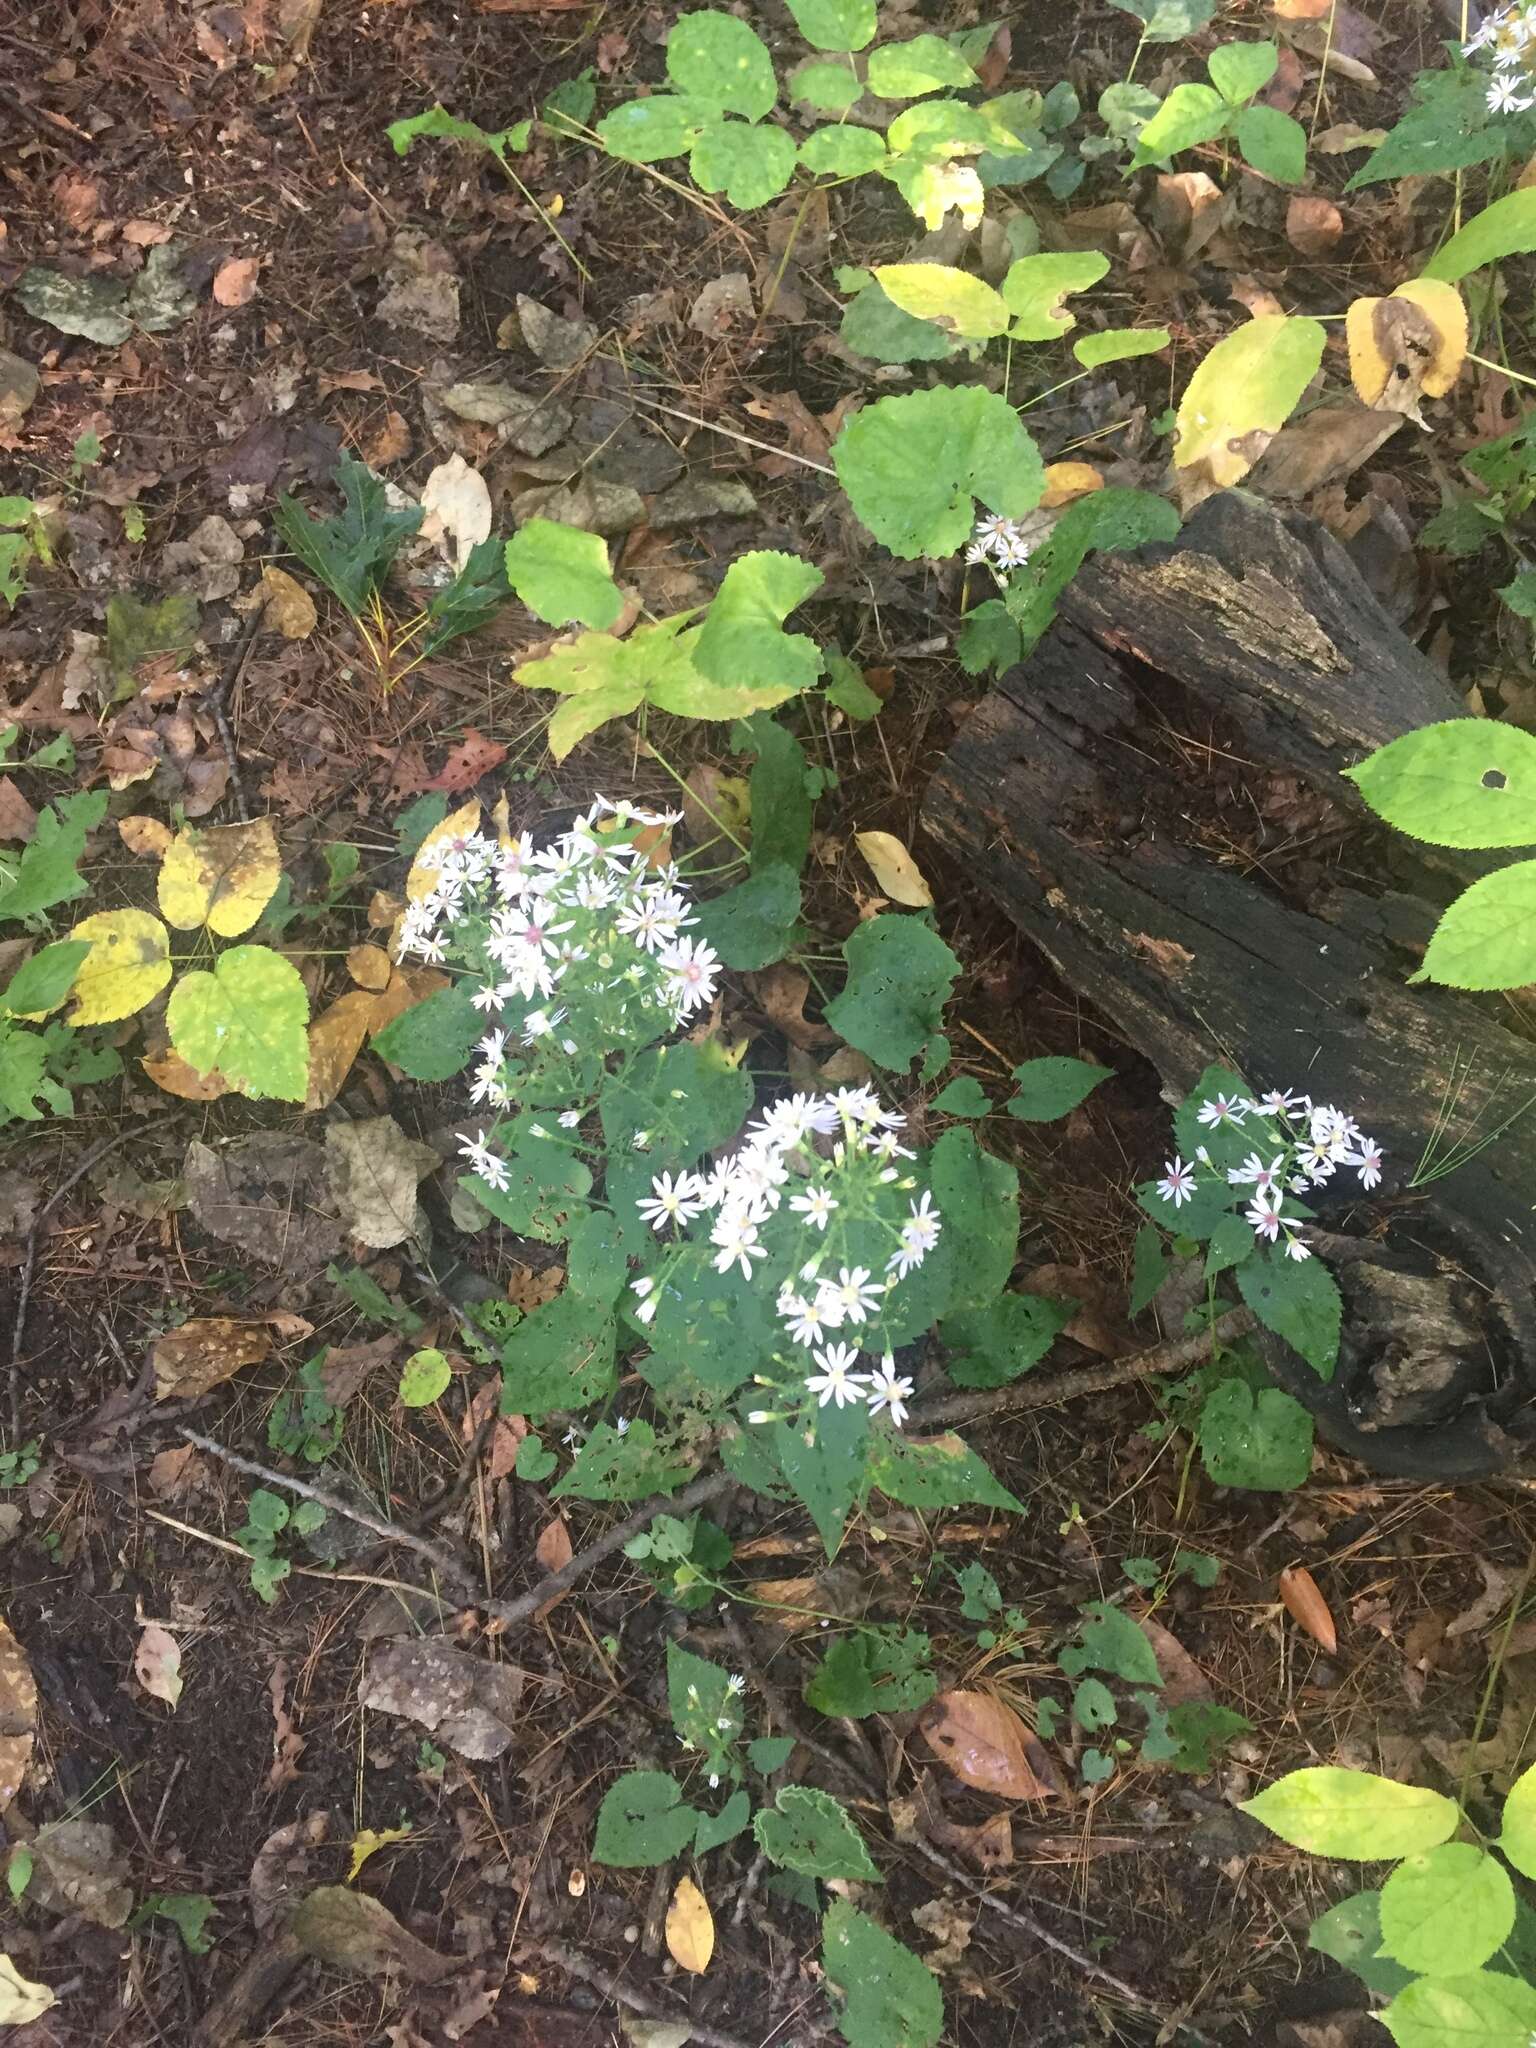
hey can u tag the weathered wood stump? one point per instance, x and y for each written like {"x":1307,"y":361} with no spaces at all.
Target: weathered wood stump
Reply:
{"x":1154,"y":797}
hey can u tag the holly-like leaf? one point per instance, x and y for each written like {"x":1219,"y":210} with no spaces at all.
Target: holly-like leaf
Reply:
{"x":743,"y":639}
{"x":471,"y":600}
{"x":128,"y":964}
{"x":248,"y":1019}
{"x":562,"y":574}
{"x":623,"y":1465}
{"x":914,"y":466}
{"x":349,"y":554}
{"x":892,"y":2000}
{"x":219,"y":876}
{"x":437,"y":121}
{"x":642,"y":1821}
{"x":810,"y":1831}
{"x":900,"y":975}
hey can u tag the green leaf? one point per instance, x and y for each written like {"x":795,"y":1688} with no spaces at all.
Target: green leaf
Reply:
{"x":1479,"y":2010}
{"x":1191,"y":114}
{"x":718,"y":60}
{"x":782,"y":792}
{"x":1507,"y":228}
{"x":743,"y":639}
{"x":43,"y":982}
{"x":1239,"y":70}
{"x":1168,"y":21}
{"x":1115,"y":518}
{"x":1487,"y":938}
{"x":562,"y":575}
{"x":988,"y":638}
{"x":248,"y":1019}
{"x":534,"y":1460}
{"x":749,"y":165}
{"x":642,"y":1821}
{"x":699,"y":1697}
{"x":188,"y":1912}
{"x":1466,"y":782}
{"x":913,"y":466}
{"x":1050,"y":1087}
{"x":1446,"y":1910}
{"x":1519,"y":595}
{"x":474,"y":597}
{"x":1518,"y":1836}
{"x":770,"y":1753}
{"x":714,"y":1829}
{"x":872,"y":1672}
{"x":978,"y":1198}
{"x":1273,"y":143}
{"x":438,"y":121}
{"x":426,"y":1379}
{"x":1350,"y":1933}
{"x":690,"y":1099}
{"x":24,"y":1076}
{"x":1261,"y":1441}
{"x":964,"y":1096}
{"x":872,"y":326}
{"x":906,"y":71}
{"x":136,"y":631}
{"x":433,"y":1039}
{"x":1108,"y":1640}
{"x":892,"y":1999}
{"x":1036,"y":285}
{"x":992,"y":1345}
{"x":953,"y":300}
{"x":752,"y":925}
{"x":830,"y":88}
{"x":350,"y":554}
{"x":1447,"y":128}
{"x":810,"y":1831}
{"x":823,"y":1465}
{"x":559,"y":1357}
{"x":842,"y":152}
{"x":1116,"y":344}
{"x":1149,"y":1267}
{"x":1125,"y":108}
{"x":1299,"y":1301}
{"x":1093,"y":1706}
{"x":1231,"y":1242}
{"x":547,"y":1186}
{"x":835,"y":24}
{"x":900,"y":975}
{"x":1201,"y":1727}
{"x":623,"y":1465}
{"x":645,"y":131}
{"x":1354,"y":1815}
{"x":939,"y":1472}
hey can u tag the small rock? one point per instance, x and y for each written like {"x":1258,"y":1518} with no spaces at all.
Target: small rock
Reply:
{"x":422,"y":291}
{"x":698,"y":498}
{"x":594,"y":506}
{"x":558,"y":343}
{"x":19,"y":386}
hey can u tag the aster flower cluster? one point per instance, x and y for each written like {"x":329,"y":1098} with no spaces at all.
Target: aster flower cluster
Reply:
{"x":1298,"y":1145}
{"x":1001,"y":543}
{"x":1508,"y":37}
{"x":816,"y":1205}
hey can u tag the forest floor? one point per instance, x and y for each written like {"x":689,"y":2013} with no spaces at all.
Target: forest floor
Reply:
{"x":255,"y":132}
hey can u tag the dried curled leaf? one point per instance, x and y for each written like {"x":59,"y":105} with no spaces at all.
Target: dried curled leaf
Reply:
{"x":987,"y":1745}
{"x":157,"y":1664}
{"x":351,"y":1931}
{"x":204,"y":1353}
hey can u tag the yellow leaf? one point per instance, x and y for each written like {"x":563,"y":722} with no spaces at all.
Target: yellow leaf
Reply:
{"x":287,"y":607}
{"x":144,"y":835}
{"x":20,"y":1999}
{"x":1407,"y":347}
{"x":459,"y":824}
{"x":690,"y":1928}
{"x":128,"y":965}
{"x":335,"y":1040}
{"x":222,"y":876}
{"x":370,"y":967}
{"x":1239,"y":398}
{"x":894,"y":869}
{"x":368,"y":1841}
{"x":1065,"y":481}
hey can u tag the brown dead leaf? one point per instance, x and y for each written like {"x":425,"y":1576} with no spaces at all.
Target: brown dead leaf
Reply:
{"x":392,"y":443}
{"x":157,"y":1664}
{"x":172,"y":1472}
{"x":204,"y":1353}
{"x":1330,"y":443}
{"x":467,"y":1702}
{"x":507,"y":1432}
{"x":348,"y":1367}
{"x":287,"y":607}
{"x":288,"y":1745}
{"x":553,"y":1548}
{"x":789,"y":1604}
{"x":1346,"y":136}
{"x":987,"y":1745}
{"x":145,"y":234}
{"x":234,"y":282}
{"x":76,"y":200}
{"x":1302,"y":10}
{"x":1497,"y":1583}
{"x":1183,"y":1680}
{"x":473,"y":757}
{"x":1306,"y":1606}
{"x":18,"y":820}
{"x":987,"y":1847}
{"x":1188,"y":209}
{"x":335,"y":1040}
{"x":348,"y":380}
{"x":781,"y":991}
{"x":351,"y":1931}
{"x":145,"y":836}
{"x":370,"y":967}
{"x":1099,"y":1322}
{"x":406,"y":987}
{"x":529,"y":1288}
{"x":1313,"y":225}
{"x":168,"y":1070}
{"x":18,"y":1715}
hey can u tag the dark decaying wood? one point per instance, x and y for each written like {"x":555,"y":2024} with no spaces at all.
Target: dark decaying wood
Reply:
{"x":1155,"y":798}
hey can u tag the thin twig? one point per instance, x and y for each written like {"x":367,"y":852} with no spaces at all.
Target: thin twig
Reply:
{"x":1177,"y":1355}
{"x":574,"y":1964}
{"x":217,"y":702}
{"x":732,"y":434}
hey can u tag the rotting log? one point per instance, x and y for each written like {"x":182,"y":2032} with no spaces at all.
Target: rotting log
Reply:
{"x":1155,"y":799}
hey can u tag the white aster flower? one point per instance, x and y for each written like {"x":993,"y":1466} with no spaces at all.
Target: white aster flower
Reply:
{"x":889,"y":1391}
{"x":738,"y":1243}
{"x":1221,"y":1109}
{"x":1263,"y":1216}
{"x":837,"y":1381}
{"x":857,"y":1295}
{"x":816,"y":1206}
{"x":1177,"y":1183}
{"x":671,"y":1200}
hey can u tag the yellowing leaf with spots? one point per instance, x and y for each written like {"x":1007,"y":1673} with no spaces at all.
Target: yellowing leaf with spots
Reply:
{"x":128,"y":965}
{"x":368,"y":1842}
{"x":690,"y":1928}
{"x":1239,"y":398}
{"x":1407,"y":347}
{"x":459,"y":824}
{"x":221,"y":876}
{"x":894,"y":869}
{"x":247,"y":1018}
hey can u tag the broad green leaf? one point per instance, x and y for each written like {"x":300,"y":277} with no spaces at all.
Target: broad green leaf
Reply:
{"x":1191,"y":114}
{"x":688,"y":1099}
{"x":1517,"y":1837}
{"x":1354,"y":1815}
{"x":645,"y":131}
{"x":783,"y":789}
{"x":1520,"y":594}
{"x":1261,"y":1441}
{"x":743,"y":639}
{"x":128,"y":964}
{"x":842,"y":152}
{"x":1446,"y":1910}
{"x":433,"y":1039}
{"x":936,"y":1472}
{"x":1239,"y":70}
{"x":873,"y":326}
{"x":823,"y":1464}
{"x":219,"y":876}
{"x":349,"y":554}
{"x":978,"y":1198}
{"x":988,"y":639}
{"x":41,"y":983}
{"x":1125,"y":108}
{"x":872,"y":1672}
{"x":624,"y":1464}
{"x":1036,"y":285}
{"x":24,"y":1077}
{"x":425,"y":1379}
{"x":953,"y":300}
{"x":559,"y":1357}
{"x":1467,"y":782}
{"x":906,"y":71}
{"x":1446,"y":128}
{"x":830,"y":88}
{"x":913,"y":467}
{"x":580,"y":716}
{"x":718,"y":60}
{"x":749,"y":164}
{"x":810,"y":1831}
{"x":534,"y":1461}
{"x":642,"y":1821}
{"x":892,"y":1999}
{"x":1507,"y":228}
{"x":751,"y":926}
{"x":900,"y":975}
{"x":1115,"y":518}
{"x":992,"y":1345}
{"x":1108,"y":1640}
{"x":1149,"y":1267}
{"x":1243,"y":392}
{"x":1273,"y":143}
{"x":1116,"y":344}
{"x":964,"y":1096}
{"x":136,"y":631}
{"x":835,"y":24}
{"x":438,"y":121}
{"x":188,"y":1912}
{"x":715,"y":1829}
{"x":1201,"y":1727}
{"x":1049,"y":1087}
{"x":561,"y":574}
{"x":1481,"y":2009}
{"x":1487,"y":938}
{"x":1093,"y":1706}
{"x":1168,"y":21}
{"x":1350,"y":1932}
{"x":546,"y":1190}
{"x":248,"y":1019}
{"x":1299,"y":1300}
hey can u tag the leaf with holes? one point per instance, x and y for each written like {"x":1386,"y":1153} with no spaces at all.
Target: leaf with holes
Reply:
{"x":1466,"y":782}
{"x":811,"y":1832}
{"x":642,"y":1821}
{"x":892,"y":2000}
{"x":247,"y":1018}
{"x":900,"y":975}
